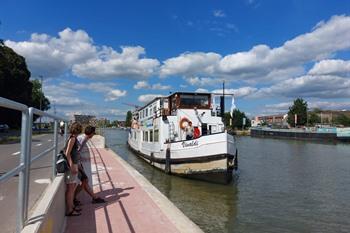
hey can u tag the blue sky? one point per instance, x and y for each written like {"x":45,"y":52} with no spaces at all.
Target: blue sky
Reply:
{"x":97,"y":55}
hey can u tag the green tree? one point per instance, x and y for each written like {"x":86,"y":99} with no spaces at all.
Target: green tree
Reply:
{"x":14,"y":84}
{"x":298,"y":108}
{"x":128,"y":119}
{"x":342,"y":120}
{"x":237,"y":119}
{"x":313,"y":118}
{"x":37,"y":94}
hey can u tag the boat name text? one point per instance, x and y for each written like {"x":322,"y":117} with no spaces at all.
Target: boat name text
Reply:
{"x":189,"y":144}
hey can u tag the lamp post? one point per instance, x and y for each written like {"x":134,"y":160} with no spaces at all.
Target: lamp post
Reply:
{"x":41,"y":95}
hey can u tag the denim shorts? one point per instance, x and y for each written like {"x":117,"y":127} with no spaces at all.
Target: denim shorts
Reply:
{"x":71,"y":178}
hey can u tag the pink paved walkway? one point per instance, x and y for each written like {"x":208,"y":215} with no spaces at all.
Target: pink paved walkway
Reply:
{"x":128,"y":209}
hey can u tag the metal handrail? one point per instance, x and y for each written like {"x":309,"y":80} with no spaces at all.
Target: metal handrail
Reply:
{"x":6,"y":103}
{"x":42,"y":154}
{"x":23,"y":169}
{"x":13,"y":172}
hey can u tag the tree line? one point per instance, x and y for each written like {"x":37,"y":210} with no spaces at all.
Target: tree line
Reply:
{"x":299,"y":112}
{"x":15,"y":84}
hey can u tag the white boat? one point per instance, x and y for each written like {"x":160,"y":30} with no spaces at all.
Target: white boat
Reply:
{"x":158,"y":136}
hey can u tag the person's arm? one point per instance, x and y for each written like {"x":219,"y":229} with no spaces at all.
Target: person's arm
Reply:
{"x":69,"y":151}
{"x":83,"y":143}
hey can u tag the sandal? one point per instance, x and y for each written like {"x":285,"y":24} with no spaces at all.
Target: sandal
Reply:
{"x":98,"y":200}
{"x":77,"y":209}
{"x":73,"y":214}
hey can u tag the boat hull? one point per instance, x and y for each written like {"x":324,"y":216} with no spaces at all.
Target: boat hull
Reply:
{"x":209,"y":167}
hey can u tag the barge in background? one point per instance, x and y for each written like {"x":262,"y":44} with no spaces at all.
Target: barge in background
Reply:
{"x":158,"y":136}
{"x":330,"y":134}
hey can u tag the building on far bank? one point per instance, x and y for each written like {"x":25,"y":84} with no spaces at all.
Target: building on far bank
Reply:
{"x":328,"y":116}
{"x":85,"y":119}
{"x":279,"y":120}
{"x":121,"y":124}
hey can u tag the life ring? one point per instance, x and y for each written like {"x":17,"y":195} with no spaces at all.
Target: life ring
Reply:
{"x":182,"y":122}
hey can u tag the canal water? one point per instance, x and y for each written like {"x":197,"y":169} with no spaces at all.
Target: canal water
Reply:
{"x":281,"y":186}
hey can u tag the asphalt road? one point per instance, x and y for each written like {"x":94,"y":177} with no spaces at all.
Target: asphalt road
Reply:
{"x":40,"y":174}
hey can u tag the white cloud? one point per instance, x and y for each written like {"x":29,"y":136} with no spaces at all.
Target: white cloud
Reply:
{"x":100,"y":87}
{"x":74,"y":51}
{"x":202,"y":90}
{"x":327,"y":105}
{"x":147,"y":98}
{"x":114,"y":95}
{"x":277,"y":108}
{"x":66,"y":101}
{"x":197,"y":81}
{"x":146,"y":85}
{"x":141,"y":85}
{"x":219,"y":14}
{"x":326,"y":86}
{"x":52,"y":56}
{"x":331,"y":67}
{"x":116,"y":112}
{"x":71,"y":90}
{"x":110,"y":64}
{"x":159,"y":86}
{"x":238,"y":93}
{"x":262,"y":61}
{"x":190,"y":63}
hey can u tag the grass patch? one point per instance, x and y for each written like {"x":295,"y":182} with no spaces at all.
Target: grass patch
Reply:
{"x":10,"y":139}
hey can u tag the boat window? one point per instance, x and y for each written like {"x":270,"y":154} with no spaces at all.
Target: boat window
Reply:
{"x":154,"y":108}
{"x":156,"y":135}
{"x":190,"y":101}
{"x":146,"y":136}
{"x":151,"y":135}
{"x":146,"y":112}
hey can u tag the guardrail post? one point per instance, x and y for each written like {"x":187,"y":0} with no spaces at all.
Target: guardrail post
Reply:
{"x":65,"y":131}
{"x":28,"y":158}
{"x":22,"y":192}
{"x":54,"y":153}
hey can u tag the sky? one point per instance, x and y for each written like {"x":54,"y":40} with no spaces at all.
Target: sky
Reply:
{"x":96,"y":57}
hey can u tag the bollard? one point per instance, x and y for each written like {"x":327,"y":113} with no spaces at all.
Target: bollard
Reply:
{"x":54,"y":153}
{"x":167,"y":161}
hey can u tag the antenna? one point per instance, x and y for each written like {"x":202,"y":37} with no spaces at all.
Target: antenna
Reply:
{"x":1,"y":40}
{"x":132,"y":105}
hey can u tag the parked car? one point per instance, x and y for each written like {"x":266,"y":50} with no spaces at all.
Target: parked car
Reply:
{"x":4,"y":128}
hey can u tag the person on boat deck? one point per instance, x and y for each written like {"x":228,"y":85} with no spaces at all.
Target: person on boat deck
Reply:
{"x":189,"y":131}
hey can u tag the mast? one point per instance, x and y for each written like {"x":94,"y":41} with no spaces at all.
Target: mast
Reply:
{"x":222,"y":103}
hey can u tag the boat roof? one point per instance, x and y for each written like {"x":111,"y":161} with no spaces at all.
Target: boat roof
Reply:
{"x":179,"y":93}
{"x":171,"y":94}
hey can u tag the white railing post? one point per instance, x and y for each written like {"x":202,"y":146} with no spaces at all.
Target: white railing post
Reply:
{"x":54,"y":153}
{"x":21,"y":206}
{"x":65,"y":131}
{"x":28,"y":163}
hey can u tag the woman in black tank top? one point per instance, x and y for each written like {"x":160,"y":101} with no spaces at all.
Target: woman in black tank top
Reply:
{"x":72,"y":173}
